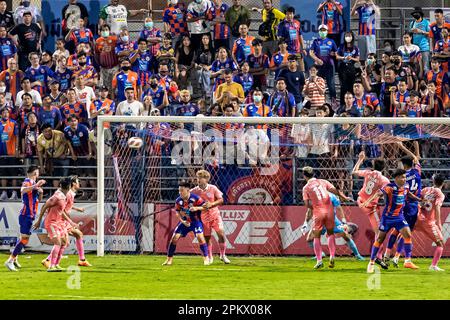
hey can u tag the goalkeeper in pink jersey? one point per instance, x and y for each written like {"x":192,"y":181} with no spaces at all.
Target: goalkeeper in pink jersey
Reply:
{"x":71,"y":230}
{"x":211,"y":218}
{"x":429,"y":220}
{"x":318,"y":202}
{"x":55,"y":223}
{"x":373,"y":181}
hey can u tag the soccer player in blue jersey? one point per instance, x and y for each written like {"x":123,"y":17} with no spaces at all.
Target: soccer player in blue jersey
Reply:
{"x":413,"y":171}
{"x":396,"y":193}
{"x":188,"y":207}
{"x":341,"y":228}
{"x":31,"y":193}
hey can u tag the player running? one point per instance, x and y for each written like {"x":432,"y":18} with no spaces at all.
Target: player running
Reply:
{"x":72,"y":231}
{"x":341,"y":228}
{"x":31,"y":193}
{"x":211,"y":218}
{"x":392,"y":217}
{"x":188,"y":207}
{"x":413,"y":180}
{"x":374,"y":180}
{"x":318,"y":202}
{"x":55,"y":224}
{"x":429,"y":220}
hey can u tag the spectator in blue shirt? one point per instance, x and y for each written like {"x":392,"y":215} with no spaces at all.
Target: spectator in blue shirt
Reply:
{"x":322,"y":51}
{"x":420,"y":29}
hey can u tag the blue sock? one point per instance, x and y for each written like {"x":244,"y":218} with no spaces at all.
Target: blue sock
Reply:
{"x":18,"y":248}
{"x":352,"y":245}
{"x":391,"y":242}
{"x":400,"y":245}
{"x":408,"y":250}
{"x":204,"y":248}
{"x":171,"y":250}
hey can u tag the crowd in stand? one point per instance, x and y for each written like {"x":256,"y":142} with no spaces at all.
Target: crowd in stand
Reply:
{"x":203,"y":61}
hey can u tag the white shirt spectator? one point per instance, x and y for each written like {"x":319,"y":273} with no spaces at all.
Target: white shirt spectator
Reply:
{"x":301,"y":133}
{"x":34,"y":94}
{"x":321,"y":135}
{"x":199,"y":10}
{"x":408,"y":52}
{"x":86,"y":96}
{"x":135,"y":108}
{"x":116,"y":17}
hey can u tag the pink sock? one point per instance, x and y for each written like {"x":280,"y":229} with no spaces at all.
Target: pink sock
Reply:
{"x":80,"y":248}
{"x":210,"y":252}
{"x":380,"y":253}
{"x":332,"y":245}
{"x":54,"y":255}
{"x":61,"y":251}
{"x":222,"y":247}
{"x":437,"y":256}
{"x":318,"y":249}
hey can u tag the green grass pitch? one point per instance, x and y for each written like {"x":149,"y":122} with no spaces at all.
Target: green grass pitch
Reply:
{"x":256,"y":278}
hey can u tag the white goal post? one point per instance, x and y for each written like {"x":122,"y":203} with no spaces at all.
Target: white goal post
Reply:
{"x":439,"y":122}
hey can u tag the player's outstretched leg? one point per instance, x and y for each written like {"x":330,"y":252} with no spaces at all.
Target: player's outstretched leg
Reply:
{"x":391,"y":242}
{"x":352,"y":245}
{"x":171,"y":249}
{"x":203,"y":248}
{"x":373,"y":256}
{"x":82,"y":262}
{"x":222,"y":246}
{"x":437,"y":256}
{"x":12,"y":264}
{"x":406,"y":233}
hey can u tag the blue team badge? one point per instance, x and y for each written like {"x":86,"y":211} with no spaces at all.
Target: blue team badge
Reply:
{"x":192,"y":109}
{"x":329,"y":43}
{"x":81,"y":134}
{"x":42,"y":71}
{"x":7,"y":42}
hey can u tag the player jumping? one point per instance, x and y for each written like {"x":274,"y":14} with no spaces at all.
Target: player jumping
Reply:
{"x":373,"y":181}
{"x":211,"y":218}
{"x":429,"y":221}
{"x":413,"y":180}
{"x":318,"y":202}
{"x":72,"y":231}
{"x":341,"y":228}
{"x":392,"y":217}
{"x":55,"y":224}
{"x":188,"y":207}
{"x":31,"y":193}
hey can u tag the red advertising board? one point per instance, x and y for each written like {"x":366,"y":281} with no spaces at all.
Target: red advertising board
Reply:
{"x":275,"y":230}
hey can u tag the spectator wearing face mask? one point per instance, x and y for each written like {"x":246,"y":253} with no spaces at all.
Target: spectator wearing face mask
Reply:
{"x":152,"y":35}
{"x":322,"y":51}
{"x":420,"y":28}
{"x":158,"y":94}
{"x":371,"y":75}
{"x":124,"y":79}
{"x":404,"y":72}
{"x":142,"y":62}
{"x":331,"y":12}
{"x":106,"y":57}
{"x":347,"y":55}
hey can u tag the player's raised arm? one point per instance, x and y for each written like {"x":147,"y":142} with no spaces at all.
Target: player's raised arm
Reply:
{"x":378,"y":194}
{"x":416,"y":155}
{"x":361,"y":158}
{"x":31,"y":187}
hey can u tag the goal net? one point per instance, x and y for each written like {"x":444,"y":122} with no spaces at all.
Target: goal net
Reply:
{"x":257,"y":164}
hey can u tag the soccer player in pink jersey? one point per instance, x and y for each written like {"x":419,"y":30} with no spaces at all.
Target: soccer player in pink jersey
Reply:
{"x":373,"y":181}
{"x":429,"y":221}
{"x":71,"y":230}
{"x":31,"y":194}
{"x":54,"y":223}
{"x":318,"y":202}
{"x":211,"y":218}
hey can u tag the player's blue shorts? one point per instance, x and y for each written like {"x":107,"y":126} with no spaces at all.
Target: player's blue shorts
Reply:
{"x":338,"y":227}
{"x":196,"y":227}
{"x":410,"y":211}
{"x":25,"y":223}
{"x":387,"y":223}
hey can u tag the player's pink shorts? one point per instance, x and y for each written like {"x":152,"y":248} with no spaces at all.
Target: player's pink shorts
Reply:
{"x":430,"y":229}
{"x":372,"y":214}
{"x":55,"y":230}
{"x":323,"y":219}
{"x":214,"y":223}
{"x":67,"y":226}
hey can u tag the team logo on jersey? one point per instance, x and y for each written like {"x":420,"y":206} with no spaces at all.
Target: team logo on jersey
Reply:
{"x":329,"y":43}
